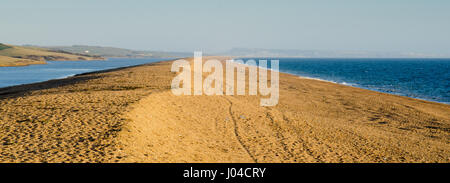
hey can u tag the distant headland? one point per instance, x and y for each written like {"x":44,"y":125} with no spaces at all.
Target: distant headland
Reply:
{"x":11,"y":55}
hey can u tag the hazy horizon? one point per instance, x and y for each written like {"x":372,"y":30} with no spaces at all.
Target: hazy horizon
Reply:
{"x":215,"y":26}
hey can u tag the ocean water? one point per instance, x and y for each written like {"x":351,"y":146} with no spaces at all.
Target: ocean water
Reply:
{"x":427,"y":79}
{"x":10,"y":76}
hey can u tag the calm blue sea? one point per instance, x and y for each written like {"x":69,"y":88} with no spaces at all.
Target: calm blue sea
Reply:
{"x":427,"y":79}
{"x":10,"y":76}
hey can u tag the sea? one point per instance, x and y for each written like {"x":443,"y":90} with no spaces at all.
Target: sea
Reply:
{"x":10,"y":76}
{"x":426,"y":79}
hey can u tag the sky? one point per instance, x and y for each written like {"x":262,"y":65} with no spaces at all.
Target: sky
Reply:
{"x":215,"y":26}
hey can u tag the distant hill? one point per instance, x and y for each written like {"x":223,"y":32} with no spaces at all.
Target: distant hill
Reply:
{"x":2,"y":46}
{"x":257,"y":52}
{"x":10,"y":61}
{"x":117,"y":52}
{"x":19,"y":56}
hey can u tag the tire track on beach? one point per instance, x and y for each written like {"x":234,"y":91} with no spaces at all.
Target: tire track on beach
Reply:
{"x":306,"y":148}
{"x":236,"y":134}
{"x":281,"y":138}
{"x":298,"y":140}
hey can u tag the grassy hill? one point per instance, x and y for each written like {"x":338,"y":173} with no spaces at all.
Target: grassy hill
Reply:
{"x":19,"y":56}
{"x":117,"y":52}
{"x":10,"y":61}
{"x":2,"y":46}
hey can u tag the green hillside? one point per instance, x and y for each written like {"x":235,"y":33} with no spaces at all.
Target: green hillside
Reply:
{"x":19,"y":56}
{"x":117,"y":52}
{"x":10,"y":61}
{"x":2,"y":46}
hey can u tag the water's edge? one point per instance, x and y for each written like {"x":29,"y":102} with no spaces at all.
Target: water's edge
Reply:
{"x":346,"y":83}
{"x":88,"y":71}
{"x":280,"y":70}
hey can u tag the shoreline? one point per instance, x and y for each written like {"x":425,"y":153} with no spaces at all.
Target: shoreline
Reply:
{"x":366,"y":88}
{"x":171,"y":59}
{"x":72,"y":75}
{"x":350,"y":85}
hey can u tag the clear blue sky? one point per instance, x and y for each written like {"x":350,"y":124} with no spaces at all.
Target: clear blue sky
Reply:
{"x":213,"y":25}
